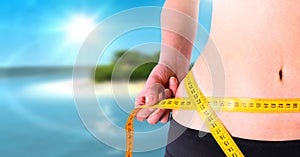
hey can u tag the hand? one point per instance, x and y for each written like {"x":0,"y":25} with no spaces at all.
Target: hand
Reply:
{"x":161,"y":84}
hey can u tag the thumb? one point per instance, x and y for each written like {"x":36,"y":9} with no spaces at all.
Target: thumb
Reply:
{"x":173,"y":85}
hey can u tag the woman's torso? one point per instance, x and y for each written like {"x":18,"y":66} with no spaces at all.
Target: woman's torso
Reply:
{"x":255,"y":41}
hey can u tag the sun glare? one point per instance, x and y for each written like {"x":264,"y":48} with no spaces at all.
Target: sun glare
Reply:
{"x":78,"y":28}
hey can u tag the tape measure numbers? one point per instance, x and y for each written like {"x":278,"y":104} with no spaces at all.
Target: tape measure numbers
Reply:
{"x":206,"y":107}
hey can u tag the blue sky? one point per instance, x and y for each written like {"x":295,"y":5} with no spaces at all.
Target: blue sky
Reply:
{"x":32,"y":34}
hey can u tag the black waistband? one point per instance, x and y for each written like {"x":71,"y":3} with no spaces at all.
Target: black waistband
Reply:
{"x":195,"y":143}
{"x":208,"y":136}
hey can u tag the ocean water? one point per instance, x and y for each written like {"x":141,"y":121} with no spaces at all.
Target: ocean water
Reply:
{"x":37,"y":122}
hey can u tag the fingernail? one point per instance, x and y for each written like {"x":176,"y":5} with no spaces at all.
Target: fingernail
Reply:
{"x":172,"y":80}
{"x":148,"y":99}
{"x":168,"y":93}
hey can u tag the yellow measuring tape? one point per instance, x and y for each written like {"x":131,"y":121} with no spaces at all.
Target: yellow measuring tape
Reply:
{"x":206,"y":108}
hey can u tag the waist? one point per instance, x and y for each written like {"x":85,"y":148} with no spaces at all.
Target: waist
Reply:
{"x":250,"y":76}
{"x":257,"y":126}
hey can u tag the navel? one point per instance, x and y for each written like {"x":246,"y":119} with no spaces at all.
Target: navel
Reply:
{"x":280,"y":74}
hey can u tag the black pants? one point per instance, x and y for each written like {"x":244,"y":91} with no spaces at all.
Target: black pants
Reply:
{"x":185,"y":142}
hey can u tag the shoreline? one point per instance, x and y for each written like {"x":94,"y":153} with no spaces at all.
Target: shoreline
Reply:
{"x":65,"y":88}
{"x":107,"y":88}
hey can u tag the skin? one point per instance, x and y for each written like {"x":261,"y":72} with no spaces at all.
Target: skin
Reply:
{"x":175,"y":49}
{"x":160,"y":75}
{"x":255,"y":40}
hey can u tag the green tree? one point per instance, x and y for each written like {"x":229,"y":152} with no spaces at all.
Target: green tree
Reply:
{"x":137,"y":63}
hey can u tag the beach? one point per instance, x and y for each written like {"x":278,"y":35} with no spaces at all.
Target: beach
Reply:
{"x":42,"y":118}
{"x":66,"y":87}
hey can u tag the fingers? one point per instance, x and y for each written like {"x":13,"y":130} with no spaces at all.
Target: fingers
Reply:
{"x":173,"y":84}
{"x":153,"y":115}
{"x":140,"y":100}
{"x":143,"y":114}
{"x":168,"y":93}
{"x":165,"y":117}
{"x":156,"y":116}
{"x":152,"y":96}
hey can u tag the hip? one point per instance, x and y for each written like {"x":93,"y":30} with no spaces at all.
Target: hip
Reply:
{"x":184,"y":141}
{"x":256,"y":126}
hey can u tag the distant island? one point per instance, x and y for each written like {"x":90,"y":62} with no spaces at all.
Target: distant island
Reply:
{"x":134,"y":63}
{"x":127,"y":62}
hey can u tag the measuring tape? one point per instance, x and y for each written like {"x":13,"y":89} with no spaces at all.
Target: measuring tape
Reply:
{"x":206,"y":107}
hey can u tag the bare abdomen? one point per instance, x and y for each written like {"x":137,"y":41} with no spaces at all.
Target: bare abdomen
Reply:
{"x":258,"y":44}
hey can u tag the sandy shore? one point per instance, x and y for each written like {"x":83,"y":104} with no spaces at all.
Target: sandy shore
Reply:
{"x":66,"y":88}
{"x":108,"y":88}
